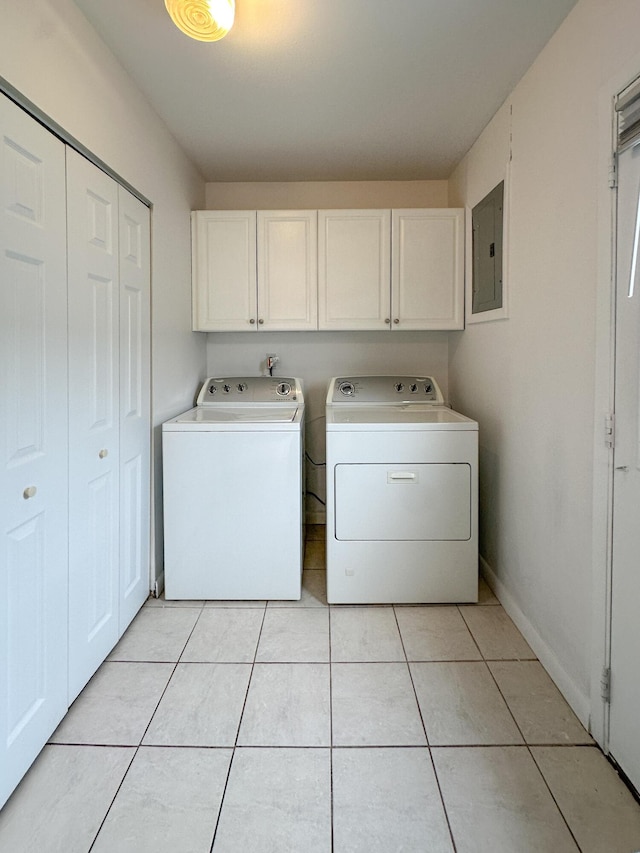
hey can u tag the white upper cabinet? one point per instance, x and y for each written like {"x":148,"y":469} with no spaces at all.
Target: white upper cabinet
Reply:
{"x":287,"y":269}
{"x":254,"y":270}
{"x":225,"y":298}
{"x":298,"y":270}
{"x":427,"y":269}
{"x":354,"y":250}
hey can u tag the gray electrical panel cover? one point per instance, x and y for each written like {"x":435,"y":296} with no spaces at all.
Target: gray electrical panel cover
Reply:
{"x":487,"y":251}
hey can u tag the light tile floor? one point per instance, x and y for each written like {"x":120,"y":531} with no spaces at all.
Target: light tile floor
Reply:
{"x":279,"y":727}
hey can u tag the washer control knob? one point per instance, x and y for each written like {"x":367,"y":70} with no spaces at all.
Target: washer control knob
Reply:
{"x":399,"y":387}
{"x":414,"y":388}
{"x":347,"y":388}
{"x":428,"y":388}
{"x":242,"y":387}
{"x":283,"y":389}
{"x":226,"y":388}
{"x":212,"y":389}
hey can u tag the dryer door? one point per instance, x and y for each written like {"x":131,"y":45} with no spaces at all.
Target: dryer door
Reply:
{"x":403,"y":502}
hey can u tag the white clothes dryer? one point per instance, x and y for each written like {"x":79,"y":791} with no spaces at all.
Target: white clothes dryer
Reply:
{"x":402,"y":493}
{"x":233,"y":492}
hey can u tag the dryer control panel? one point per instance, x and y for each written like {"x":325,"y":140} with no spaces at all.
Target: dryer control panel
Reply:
{"x":238,"y":390}
{"x":384,"y":390}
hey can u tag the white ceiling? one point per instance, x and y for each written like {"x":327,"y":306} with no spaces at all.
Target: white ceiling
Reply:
{"x":322,"y":90}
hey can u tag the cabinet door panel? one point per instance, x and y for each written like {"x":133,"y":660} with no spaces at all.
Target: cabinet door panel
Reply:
{"x":92,"y":199}
{"x":135,"y":414}
{"x":33,"y":441}
{"x":428,"y":269}
{"x":354,"y":269}
{"x":287,"y":270}
{"x":224,"y":270}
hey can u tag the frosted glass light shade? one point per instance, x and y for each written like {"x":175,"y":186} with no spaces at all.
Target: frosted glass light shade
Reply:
{"x":204,"y":20}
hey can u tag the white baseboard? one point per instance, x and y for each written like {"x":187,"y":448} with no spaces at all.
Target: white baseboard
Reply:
{"x":158,"y":587}
{"x":579,"y":701}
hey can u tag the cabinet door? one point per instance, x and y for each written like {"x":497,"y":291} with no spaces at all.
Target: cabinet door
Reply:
{"x":135,"y":413}
{"x":354,"y":269}
{"x":287,"y":269}
{"x":92,"y":211}
{"x":224,"y":284}
{"x":33,"y":441}
{"x":428,"y":269}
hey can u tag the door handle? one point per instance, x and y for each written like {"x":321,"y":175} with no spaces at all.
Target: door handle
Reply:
{"x":402,"y":477}
{"x":622,"y":467}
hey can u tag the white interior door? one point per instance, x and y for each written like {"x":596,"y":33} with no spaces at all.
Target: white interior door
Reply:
{"x":624,"y":734}
{"x":135,"y":414}
{"x":92,"y":203}
{"x":33,"y":441}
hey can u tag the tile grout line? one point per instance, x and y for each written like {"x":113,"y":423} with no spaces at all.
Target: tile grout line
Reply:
{"x":235,"y":744}
{"x":424,"y":728}
{"x":113,"y":799}
{"x":146,"y":729}
{"x":477,"y":645}
{"x":551,"y":794}
{"x":331,"y":746}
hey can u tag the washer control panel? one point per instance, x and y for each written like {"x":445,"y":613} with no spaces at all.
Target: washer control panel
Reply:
{"x":249,"y":389}
{"x":384,"y":390}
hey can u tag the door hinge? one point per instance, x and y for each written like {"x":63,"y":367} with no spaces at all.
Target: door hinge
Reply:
{"x":613,"y":171}
{"x":605,"y":684}
{"x":609,"y":429}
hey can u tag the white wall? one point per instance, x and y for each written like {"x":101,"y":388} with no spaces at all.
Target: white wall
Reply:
{"x":326,"y":195}
{"x":530,"y":379}
{"x":317,"y":356}
{"x":50,"y":54}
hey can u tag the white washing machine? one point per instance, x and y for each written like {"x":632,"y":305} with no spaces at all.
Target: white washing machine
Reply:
{"x":402,"y":494}
{"x":233,"y":492}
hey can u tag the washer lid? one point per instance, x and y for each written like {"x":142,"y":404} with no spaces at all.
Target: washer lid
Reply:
{"x":231,"y":415}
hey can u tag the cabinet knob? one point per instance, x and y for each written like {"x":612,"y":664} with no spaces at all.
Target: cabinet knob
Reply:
{"x":103,"y":453}
{"x":396,"y":321}
{"x":252,"y":321}
{"x":260,"y":321}
{"x":29,"y":492}
{"x":387,"y":320}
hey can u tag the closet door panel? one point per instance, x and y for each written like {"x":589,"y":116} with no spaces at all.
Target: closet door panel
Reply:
{"x":33,"y":441}
{"x":135,"y":383}
{"x":92,"y":200}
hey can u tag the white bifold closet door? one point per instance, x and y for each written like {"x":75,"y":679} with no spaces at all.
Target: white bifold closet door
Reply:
{"x":109,"y":436}
{"x":33,"y":441}
{"x":135,"y":404}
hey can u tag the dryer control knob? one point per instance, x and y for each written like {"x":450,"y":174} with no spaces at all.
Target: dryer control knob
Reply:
{"x":347,"y":388}
{"x":283,"y":389}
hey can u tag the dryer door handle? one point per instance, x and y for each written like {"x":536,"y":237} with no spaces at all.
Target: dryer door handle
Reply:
{"x":402,"y":477}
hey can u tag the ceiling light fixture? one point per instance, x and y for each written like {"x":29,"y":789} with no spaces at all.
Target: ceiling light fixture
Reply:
{"x":204,"y":20}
